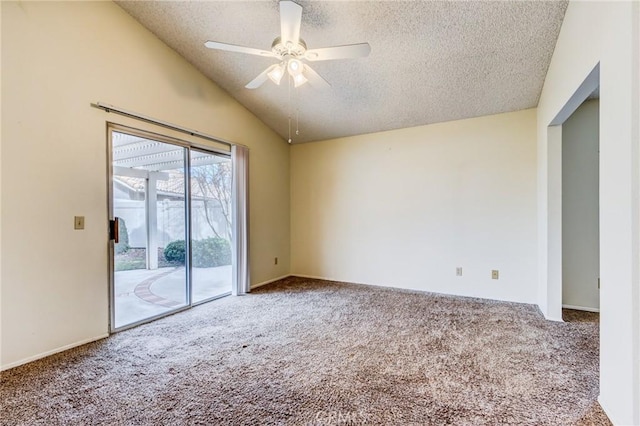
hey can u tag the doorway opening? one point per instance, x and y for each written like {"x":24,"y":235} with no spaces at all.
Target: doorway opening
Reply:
{"x":553,"y":263}
{"x":170,"y":206}
{"x":581,"y":209}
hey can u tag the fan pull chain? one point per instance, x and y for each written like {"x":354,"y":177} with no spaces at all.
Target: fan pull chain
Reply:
{"x":297,"y":112}
{"x":289,"y":89}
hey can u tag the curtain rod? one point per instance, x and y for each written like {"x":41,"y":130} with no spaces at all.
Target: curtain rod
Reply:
{"x":111,"y":108}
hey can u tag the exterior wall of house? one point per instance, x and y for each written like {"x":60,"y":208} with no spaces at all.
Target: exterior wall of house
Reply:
{"x":602,"y":36}
{"x":170,"y":220}
{"x":57,"y":59}
{"x":405,"y":208}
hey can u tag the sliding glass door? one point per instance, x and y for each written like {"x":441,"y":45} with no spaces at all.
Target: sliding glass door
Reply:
{"x":170,"y":207}
{"x":210,"y":225}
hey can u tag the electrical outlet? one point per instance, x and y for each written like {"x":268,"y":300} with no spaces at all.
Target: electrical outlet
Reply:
{"x":78,"y":222}
{"x":275,"y":261}
{"x":459,"y":271}
{"x":495,"y":274}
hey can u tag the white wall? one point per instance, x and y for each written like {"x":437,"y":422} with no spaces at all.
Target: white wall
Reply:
{"x":604,"y":33}
{"x":404,"y":208}
{"x":57,"y":58}
{"x":580,"y":209}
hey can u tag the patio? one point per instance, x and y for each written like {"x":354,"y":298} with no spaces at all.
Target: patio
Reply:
{"x":144,"y":293}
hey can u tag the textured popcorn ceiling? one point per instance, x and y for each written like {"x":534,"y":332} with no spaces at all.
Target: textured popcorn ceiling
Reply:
{"x":430,"y":61}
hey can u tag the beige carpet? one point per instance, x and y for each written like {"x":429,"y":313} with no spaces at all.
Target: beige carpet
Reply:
{"x":308,"y":352}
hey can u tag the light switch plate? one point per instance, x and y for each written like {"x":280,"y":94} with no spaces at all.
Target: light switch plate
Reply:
{"x":78,"y":222}
{"x":495,"y":274}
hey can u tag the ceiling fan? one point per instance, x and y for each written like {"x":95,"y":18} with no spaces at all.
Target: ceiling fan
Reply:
{"x":291,"y":50}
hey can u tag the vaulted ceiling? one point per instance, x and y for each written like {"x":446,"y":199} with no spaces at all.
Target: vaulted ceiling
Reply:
{"x":430,"y":61}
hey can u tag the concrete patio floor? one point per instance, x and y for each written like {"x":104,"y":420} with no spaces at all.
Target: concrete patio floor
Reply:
{"x":143,"y":293}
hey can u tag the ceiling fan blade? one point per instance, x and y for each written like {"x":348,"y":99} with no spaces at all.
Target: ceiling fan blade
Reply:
{"x":359,"y":50}
{"x":240,"y":49}
{"x":261,"y":78}
{"x":290,"y":19}
{"x":315,"y":79}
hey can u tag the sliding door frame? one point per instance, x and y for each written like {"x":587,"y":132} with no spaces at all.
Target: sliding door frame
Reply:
{"x":188,"y":146}
{"x":218,"y":296}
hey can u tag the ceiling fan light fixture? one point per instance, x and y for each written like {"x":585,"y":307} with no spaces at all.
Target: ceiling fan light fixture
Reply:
{"x":276,"y":74}
{"x":294,"y":66}
{"x":299,"y":80}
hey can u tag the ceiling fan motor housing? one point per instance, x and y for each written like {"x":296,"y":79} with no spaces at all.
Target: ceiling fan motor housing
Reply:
{"x":295,"y":50}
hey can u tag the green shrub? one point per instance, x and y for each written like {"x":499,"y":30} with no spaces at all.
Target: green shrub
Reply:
{"x":123,"y":245}
{"x":211,"y":252}
{"x":175,"y":251}
{"x":207,"y":253}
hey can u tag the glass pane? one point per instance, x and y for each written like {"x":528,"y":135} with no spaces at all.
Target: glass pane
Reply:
{"x":210,"y":225}
{"x":129,"y":205}
{"x":149,"y":199}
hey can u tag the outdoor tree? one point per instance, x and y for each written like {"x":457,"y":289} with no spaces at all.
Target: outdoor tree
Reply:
{"x":212,"y":184}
